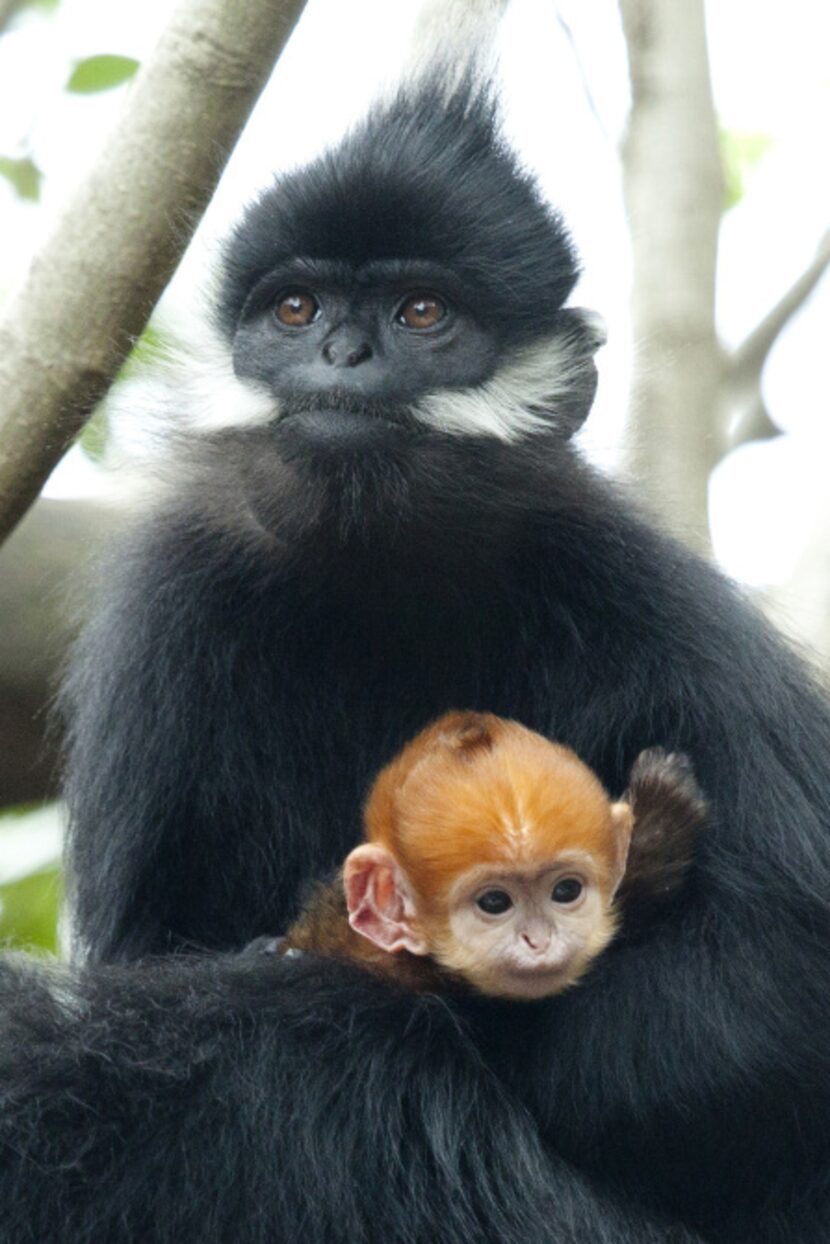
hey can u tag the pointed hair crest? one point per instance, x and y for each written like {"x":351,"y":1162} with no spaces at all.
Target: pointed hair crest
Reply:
{"x":425,"y":176}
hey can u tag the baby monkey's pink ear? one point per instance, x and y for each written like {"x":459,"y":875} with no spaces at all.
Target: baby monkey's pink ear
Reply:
{"x":379,"y":902}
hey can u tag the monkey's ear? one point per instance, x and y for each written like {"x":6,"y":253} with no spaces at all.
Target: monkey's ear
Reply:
{"x":582,"y":333}
{"x":380,"y":905}
{"x":623,"y":821}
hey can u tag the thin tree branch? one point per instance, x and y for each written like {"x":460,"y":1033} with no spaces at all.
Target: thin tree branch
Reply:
{"x":590,"y":98}
{"x":93,"y":285}
{"x":745,"y":363}
{"x":754,"y":423}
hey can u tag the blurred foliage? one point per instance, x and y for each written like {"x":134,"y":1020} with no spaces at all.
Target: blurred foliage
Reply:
{"x":30,"y":877}
{"x":100,"y":73}
{"x":741,"y":153}
{"x":93,"y":435}
{"x":29,"y":910}
{"x":149,"y":347}
{"x":23,"y":174}
{"x":9,"y":10}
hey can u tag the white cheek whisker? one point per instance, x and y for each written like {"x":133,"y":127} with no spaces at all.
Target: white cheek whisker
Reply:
{"x":214,"y":397}
{"x":199,"y":389}
{"x":519,"y":400}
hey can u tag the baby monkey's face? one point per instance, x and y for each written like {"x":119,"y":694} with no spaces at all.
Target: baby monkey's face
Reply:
{"x":525,"y":932}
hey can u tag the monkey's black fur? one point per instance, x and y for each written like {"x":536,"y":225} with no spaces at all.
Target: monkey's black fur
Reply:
{"x":669,"y":817}
{"x":427,"y":179}
{"x":210,"y":1101}
{"x":266,"y":641}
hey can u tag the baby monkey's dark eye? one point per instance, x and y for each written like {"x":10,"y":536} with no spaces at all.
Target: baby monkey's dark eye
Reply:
{"x":421,"y":311}
{"x":297,"y":308}
{"x":494,"y":902}
{"x":567,"y":890}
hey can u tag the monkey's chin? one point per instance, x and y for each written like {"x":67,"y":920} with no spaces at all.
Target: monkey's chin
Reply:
{"x":335,"y":430}
{"x":533,"y":983}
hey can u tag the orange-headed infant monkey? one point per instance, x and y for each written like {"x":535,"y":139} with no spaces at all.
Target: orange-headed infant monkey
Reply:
{"x":494,"y":858}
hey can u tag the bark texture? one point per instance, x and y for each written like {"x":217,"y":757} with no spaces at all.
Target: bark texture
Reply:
{"x":93,"y":285}
{"x":674,"y":195}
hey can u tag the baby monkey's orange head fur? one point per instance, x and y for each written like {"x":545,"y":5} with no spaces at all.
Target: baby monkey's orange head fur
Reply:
{"x":493,"y":850}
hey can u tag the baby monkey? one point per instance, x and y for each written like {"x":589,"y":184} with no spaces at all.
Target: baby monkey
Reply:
{"x":495,"y":859}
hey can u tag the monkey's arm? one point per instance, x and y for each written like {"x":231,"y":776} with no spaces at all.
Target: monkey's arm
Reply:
{"x":669,"y":816}
{"x":323,"y":928}
{"x":193,"y":1100}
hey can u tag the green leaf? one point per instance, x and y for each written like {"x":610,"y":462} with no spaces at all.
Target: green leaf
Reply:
{"x":94,"y":434}
{"x":30,"y":843}
{"x":741,"y":153}
{"x":29,"y":910}
{"x":149,"y":347}
{"x":100,"y":73}
{"x":23,"y":174}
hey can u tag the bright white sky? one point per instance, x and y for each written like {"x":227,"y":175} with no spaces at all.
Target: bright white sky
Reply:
{"x":771,"y":74}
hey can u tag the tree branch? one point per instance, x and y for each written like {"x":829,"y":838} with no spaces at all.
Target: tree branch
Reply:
{"x":754,"y":423}
{"x":745,"y":363}
{"x":673,"y":190}
{"x":93,"y":285}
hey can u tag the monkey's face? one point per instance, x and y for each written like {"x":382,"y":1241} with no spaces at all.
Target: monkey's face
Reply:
{"x":409,"y":282}
{"x":527,"y":933}
{"x":346,"y":354}
{"x":386,"y":356}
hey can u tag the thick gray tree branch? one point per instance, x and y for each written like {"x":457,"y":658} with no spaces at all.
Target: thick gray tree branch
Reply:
{"x":93,"y":285}
{"x":674,"y":194}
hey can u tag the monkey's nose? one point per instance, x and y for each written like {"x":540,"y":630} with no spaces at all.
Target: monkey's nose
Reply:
{"x":346,"y":353}
{"x":537,"y":939}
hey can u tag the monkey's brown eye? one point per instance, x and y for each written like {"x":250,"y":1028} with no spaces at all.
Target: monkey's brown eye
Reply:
{"x":494,"y":902}
{"x":421,"y":311}
{"x":567,"y":890}
{"x":297,"y":308}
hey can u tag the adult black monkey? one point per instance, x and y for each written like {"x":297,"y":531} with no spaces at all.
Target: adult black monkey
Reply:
{"x":393,"y":523}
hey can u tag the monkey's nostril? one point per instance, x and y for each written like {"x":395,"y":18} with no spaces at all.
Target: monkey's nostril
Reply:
{"x":342,"y":352}
{"x":358,"y":355}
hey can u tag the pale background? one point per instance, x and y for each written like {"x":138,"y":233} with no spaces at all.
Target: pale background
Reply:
{"x":565,"y":91}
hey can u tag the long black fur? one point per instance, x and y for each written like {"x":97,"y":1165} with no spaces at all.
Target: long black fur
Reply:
{"x":208,"y":1101}
{"x":265,"y":642}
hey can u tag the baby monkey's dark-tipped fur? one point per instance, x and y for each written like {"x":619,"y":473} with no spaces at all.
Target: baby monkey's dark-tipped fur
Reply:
{"x":669,"y":815}
{"x":386,"y":519}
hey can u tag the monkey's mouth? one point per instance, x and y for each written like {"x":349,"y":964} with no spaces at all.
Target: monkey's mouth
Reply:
{"x":336,"y":402}
{"x":534,"y":982}
{"x":338,"y":419}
